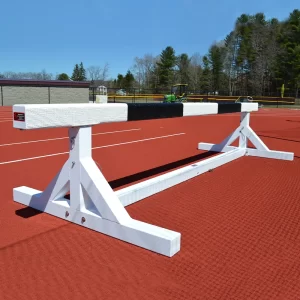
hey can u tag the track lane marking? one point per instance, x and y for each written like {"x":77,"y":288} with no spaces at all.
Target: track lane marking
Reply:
{"x":62,"y":138}
{"x":93,"y":148}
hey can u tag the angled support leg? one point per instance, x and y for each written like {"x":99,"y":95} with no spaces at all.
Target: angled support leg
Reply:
{"x":93,"y":204}
{"x":244,"y":132}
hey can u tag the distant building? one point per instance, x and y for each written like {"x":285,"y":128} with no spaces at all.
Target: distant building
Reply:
{"x":43,"y":91}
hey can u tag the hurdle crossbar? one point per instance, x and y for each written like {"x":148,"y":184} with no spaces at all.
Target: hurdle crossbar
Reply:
{"x":93,"y":204}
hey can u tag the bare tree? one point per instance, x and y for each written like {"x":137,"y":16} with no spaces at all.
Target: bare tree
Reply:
{"x":97,"y":72}
{"x":195,"y":71}
{"x":105,"y":71}
{"x":138,"y":71}
{"x":230,"y":60}
{"x":94,"y":72}
{"x":258,"y":65}
{"x":144,"y":70}
{"x":43,"y":75}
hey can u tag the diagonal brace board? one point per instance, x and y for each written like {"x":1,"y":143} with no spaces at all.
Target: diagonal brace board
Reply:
{"x":142,"y":190}
{"x":244,"y":133}
{"x":93,"y":204}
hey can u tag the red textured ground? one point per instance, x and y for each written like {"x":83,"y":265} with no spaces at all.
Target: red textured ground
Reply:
{"x":240,"y":224}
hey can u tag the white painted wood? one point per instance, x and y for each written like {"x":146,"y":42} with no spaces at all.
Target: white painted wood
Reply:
{"x":92,"y":198}
{"x":99,"y":190}
{"x":271,"y":154}
{"x":198,"y":109}
{"x":60,"y":185}
{"x":144,"y":189}
{"x":96,"y":206}
{"x":253,"y":137}
{"x":249,"y":107}
{"x":150,"y":237}
{"x":87,"y":114}
{"x":69,"y":115}
{"x":244,"y":123}
{"x":282,"y":155}
{"x":215,"y":147}
{"x":244,"y":132}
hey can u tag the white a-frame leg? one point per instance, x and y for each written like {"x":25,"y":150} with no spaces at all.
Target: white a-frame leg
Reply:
{"x":144,"y":189}
{"x":244,"y":132}
{"x":93,"y":204}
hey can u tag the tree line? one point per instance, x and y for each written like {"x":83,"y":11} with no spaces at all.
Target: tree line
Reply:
{"x":257,"y":57}
{"x":80,"y":73}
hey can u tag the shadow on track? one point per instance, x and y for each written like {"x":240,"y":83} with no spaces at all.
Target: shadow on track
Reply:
{"x":27,"y":212}
{"x":278,"y":138}
{"x":155,"y":171}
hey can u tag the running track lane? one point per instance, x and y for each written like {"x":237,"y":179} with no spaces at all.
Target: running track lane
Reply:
{"x":61,"y":146}
{"x":114,"y":162}
{"x":230,"y":249}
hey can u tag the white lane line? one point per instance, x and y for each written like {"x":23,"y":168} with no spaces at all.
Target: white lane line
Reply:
{"x":63,"y":138}
{"x":137,"y":141}
{"x":105,"y":146}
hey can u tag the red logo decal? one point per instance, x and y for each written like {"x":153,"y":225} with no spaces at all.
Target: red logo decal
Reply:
{"x":18,"y":116}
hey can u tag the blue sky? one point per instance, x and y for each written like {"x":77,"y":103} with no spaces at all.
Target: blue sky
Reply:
{"x":55,"y":35}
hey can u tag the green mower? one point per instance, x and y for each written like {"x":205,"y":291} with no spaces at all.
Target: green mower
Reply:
{"x":178,"y":94}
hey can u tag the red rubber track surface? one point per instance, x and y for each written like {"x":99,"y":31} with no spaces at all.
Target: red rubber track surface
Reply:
{"x":240,"y":224}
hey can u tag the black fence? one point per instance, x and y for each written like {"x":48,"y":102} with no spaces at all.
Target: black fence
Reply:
{"x":116,"y":95}
{"x":160,"y":91}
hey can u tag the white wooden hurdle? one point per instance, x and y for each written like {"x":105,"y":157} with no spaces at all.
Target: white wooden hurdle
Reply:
{"x":93,"y":204}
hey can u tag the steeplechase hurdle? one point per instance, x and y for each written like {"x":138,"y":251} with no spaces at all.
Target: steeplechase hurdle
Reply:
{"x":93,"y":204}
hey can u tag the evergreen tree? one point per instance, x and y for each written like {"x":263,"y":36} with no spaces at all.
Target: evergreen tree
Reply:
{"x":76,"y":74}
{"x":216,"y":61}
{"x":166,"y":67}
{"x":288,"y":60}
{"x":82,"y":72}
{"x":63,"y":76}
{"x":128,"y":80}
{"x":183,"y":68}
{"x":206,"y":76}
{"x":120,"y":81}
{"x":79,"y":73}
